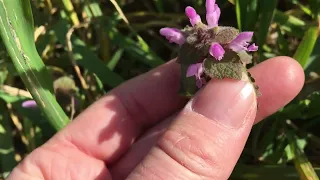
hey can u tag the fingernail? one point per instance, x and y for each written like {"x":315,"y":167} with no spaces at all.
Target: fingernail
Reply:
{"x":226,"y":101}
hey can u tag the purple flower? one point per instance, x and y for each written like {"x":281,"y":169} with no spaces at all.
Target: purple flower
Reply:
{"x":213,"y":13}
{"x":173,"y":35}
{"x":193,"y":16}
{"x":197,"y":71}
{"x":241,"y":42}
{"x":220,"y":41}
{"x":253,"y":47}
{"x":29,"y":104}
{"x":217,"y":51}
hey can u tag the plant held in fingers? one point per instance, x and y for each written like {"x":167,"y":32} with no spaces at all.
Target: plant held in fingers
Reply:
{"x":210,"y":51}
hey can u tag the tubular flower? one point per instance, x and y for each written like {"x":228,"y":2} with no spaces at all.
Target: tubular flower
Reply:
{"x":213,"y":13}
{"x":241,"y":42}
{"x":29,"y":104}
{"x":173,"y":35}
{"x":193,"y":16}
{"x":217,"y":51}
{"x":197,"y":71}
{"x":222,"y":50}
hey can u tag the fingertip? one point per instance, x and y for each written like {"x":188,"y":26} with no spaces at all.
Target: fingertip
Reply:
{"x":293,"y":72}
{"x":280,"y":79}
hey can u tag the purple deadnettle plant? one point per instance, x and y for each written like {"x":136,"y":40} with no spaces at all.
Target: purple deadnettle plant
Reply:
{"x":210,"y":51}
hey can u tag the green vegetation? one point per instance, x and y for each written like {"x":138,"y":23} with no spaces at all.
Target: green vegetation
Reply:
{"x":67,"y":54}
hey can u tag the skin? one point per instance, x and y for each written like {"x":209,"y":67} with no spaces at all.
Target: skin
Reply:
{"x":144,"y":130}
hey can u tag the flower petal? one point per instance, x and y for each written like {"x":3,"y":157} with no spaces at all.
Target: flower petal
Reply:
{"x":253,"y":47}
{"x":217,"y":51}
{"x":200,"y":82}
{"x":193,"y":16}
{"x":173,"y":35}
{"x":192,"y":70}
{"x":197,"y":71}
{"x":210,"y":5}
{"x":213,"y":13}
{"x":29,"y":104}
{"x":200,"y":70}
{"x":241,"y":41}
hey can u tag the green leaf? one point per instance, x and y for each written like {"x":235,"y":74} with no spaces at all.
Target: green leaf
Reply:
{"x":137,"y":49}
{"x":115,"y":59}
{"x":267,"y":9}
{"x":246,"y":11}
{"x":159,"y":5}
{"x":282,"y":42}
{"x":226,"y":34}
{"x":301,"y":162}
{"x":260,"y":172}
{"x":291,"y":24}
{"x":304,"y":8}
{"x":306,"y":46}
{"x":315,"y":7}
{"x":241,"y":7}
{"x":7,"y":160}
{"x":313,"y":109}
{"x":10,"y":99}
{"x":72,"y":15}
{"x":188,"y":86}
{"x":86,"y":58}
{"x":229,"y":67}
{"x":188,"y":54}
{"x":17,"y":32}
{"x":93,"y":9}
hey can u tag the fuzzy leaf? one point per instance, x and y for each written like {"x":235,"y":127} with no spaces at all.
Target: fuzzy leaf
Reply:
{"x":188,"y":55}
{"x":229,"y":67}
{"x":245,"y":57}
{"x":226,"y":34}
{"x":187,"y":84}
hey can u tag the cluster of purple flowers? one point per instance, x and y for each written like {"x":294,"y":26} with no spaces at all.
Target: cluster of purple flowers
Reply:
{"x":217,"y":50}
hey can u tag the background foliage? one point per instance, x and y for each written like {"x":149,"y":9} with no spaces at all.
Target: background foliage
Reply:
{"x":84,"y":48}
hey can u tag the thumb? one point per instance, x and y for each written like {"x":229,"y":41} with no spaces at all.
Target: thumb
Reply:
{"x":207,"y":137}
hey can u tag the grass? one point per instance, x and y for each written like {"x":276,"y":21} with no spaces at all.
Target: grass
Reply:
{"x":84,"y":48}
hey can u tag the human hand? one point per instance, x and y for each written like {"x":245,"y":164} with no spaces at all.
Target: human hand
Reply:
{"x":134,"y":132}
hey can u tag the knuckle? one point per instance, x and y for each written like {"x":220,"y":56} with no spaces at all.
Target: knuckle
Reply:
{"x":194,"y":150}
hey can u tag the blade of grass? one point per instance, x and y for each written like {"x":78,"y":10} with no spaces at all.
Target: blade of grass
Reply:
{"x":304,"y":8}
{"x":306,"y":46}
{"x":71,"y":12}
{"x":246,"y":11}
{"x":115,"y":59}
{"x":251,"y":172}
{"x":143,"y":45}
{"x":282,"y":43}
{"x":291,"y":24}
{"x":315,"y":7}
{"x":17,"y":31}
{"x":252,"y":15}
{"x":92,"y":9}
{"x":301,"y":162}
{"x":85,"y":57}
{"x":159,"y":5}
{"x":7,"y":160}
{"x":241,"y":7}
{"x":147,"y":56}
{"x":267,"y":9}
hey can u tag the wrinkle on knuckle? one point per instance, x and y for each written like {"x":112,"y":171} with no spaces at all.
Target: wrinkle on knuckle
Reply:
{"x":31,"y":167}
{"x":189,"y":150}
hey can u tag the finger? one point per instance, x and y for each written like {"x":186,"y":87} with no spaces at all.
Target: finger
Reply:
{"x":285,"y":89}
{"x":59,"y":162}
{"x":206,"y":138}
{"x":280,"y":80}
{"x":107,"y":128}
